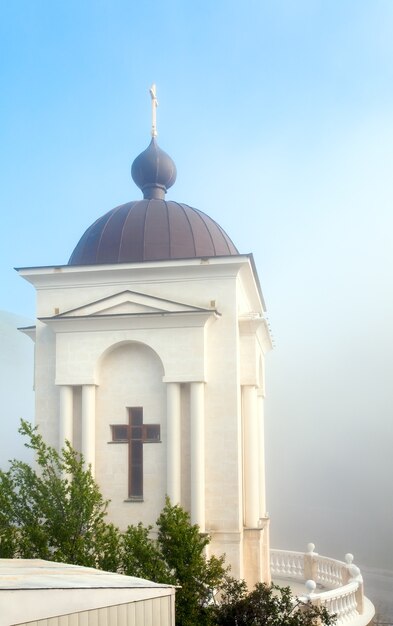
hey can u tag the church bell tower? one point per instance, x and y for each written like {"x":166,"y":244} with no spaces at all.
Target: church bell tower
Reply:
{"x":149,"y":358}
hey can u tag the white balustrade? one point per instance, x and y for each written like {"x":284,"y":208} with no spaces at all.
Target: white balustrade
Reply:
{"x":341,"y":601}
{"x":284,"y":564}
{"x":344,"y":593}
{"x":330,"y":572}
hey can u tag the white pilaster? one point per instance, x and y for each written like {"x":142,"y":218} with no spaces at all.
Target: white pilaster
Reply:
{"x":197,"y":415}
{"x":173,"y":442}
{"x":262,"y":478}
{"x":66,"y":415}
{"x":250,"y":452}
{"x":88,"y":424}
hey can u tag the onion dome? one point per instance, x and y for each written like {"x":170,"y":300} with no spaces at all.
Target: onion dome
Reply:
{"x":153,"y":171}
{"x":152,"y":229}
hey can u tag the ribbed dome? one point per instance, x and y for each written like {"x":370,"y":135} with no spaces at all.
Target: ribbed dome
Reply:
{"x":151,"y":230}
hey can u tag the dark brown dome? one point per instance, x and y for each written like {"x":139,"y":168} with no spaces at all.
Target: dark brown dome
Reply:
{"x":153,"y":171}
{"x":151,"y":230}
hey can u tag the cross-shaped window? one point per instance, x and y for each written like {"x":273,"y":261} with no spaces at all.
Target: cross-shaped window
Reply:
{"x":135,"y":433}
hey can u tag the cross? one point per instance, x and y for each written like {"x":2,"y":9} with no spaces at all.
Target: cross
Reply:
{"x":154,"y":105}
{"x":135,"y":433}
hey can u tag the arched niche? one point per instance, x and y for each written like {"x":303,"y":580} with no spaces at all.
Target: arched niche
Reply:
{"x":130,"y":377}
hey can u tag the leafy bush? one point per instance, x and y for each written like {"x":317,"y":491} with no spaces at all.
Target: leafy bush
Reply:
{"x":267,"y":605}
{"x":58,"y":513}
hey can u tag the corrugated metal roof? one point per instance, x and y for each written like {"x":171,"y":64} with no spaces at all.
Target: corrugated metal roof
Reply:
{"x":39,"y":574}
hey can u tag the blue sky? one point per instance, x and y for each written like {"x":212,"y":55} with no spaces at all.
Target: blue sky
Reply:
{"x":280,"y":112}
{"x":279,"y":117}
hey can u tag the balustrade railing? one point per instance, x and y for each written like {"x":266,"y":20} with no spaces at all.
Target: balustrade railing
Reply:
{"x":344,"y":603}
{"x":330,"y":573}
{"x":336,"y":585}
{"x":285,"y":564}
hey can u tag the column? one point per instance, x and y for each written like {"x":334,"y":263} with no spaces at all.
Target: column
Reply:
{"x":262,"y":479}
{"x":88,"y":424}
{"x":250,"y":455}
{"x":197,"y":435}
{"x":173,"y":442}
{"x":65,"y":415}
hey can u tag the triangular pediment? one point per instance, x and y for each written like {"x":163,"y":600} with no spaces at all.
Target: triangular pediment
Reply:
{"x":128,"y":303}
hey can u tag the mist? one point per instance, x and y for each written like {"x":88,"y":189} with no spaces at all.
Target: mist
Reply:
{"x":329,"y":405}
{"x":16,"y":387}
{"x":328,"y":431}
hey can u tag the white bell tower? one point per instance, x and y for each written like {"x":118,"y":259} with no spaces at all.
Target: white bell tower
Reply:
{"x":150,"y":349}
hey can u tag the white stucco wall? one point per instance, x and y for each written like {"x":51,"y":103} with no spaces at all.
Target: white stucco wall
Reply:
{"x":129,"y":330}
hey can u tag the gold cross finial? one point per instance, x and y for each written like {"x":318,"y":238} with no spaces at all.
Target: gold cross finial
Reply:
{"x":154,"y":105}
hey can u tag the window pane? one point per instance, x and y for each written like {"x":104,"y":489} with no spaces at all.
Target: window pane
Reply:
{"x":136,"y":486}
{"x":119,"y":432}
{"x":136,"y":453}
{"x":136,"y":432}
{"x":152,"y":432}
{"x":136,"y":413}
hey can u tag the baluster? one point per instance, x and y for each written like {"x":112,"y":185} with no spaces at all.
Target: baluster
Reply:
{"x":338,"y":607}
{"x":322,"y":568}
{"x":346,"y":606}
{"x":320,"y":572}
{"x":332,"y":574}
{"x":276,"y":567}
{"x":351,"y":606}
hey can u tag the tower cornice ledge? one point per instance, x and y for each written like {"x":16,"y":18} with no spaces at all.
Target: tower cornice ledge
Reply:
{"x":120,"y":273}
{"x":164,"y":319}
{"x":235,"y":259}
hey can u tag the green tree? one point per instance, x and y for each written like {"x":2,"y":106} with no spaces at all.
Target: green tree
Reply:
{"x":176,"y":557}
{"x":55,"y":512}
{"x":266,"y":605}
{"x":58,"y":513}
{"x":141,"y":556}
{"x":184,"y":549}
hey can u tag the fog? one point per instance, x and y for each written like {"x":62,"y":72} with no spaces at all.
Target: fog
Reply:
{"x":329,"y":437}
{"x":329,"y":402}
{"x":16,"y":386}
{"x":279,"y":119}
{"x":328,"y":431}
